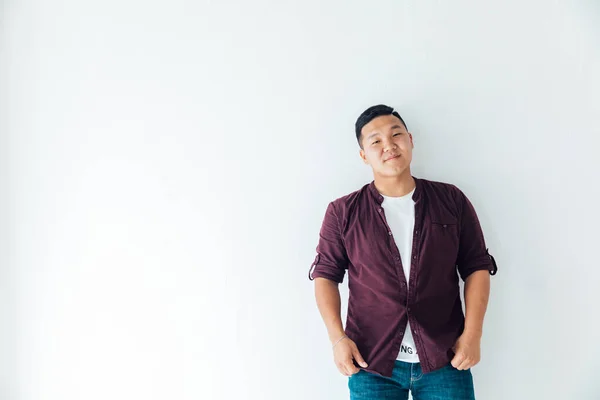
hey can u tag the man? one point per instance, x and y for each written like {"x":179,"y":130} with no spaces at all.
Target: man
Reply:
{"x":405,"y":242}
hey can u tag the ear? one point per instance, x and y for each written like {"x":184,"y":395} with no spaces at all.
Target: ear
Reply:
{"x":363,"y":156}
{"x":411,"y":140}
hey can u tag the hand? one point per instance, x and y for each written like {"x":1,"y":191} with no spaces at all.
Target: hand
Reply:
{"x":343,"y":353}
{"x":467,"y":351}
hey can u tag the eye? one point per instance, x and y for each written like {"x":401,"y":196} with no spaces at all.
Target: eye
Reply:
{"x":399,"y":133}
{"x":375,"y":142}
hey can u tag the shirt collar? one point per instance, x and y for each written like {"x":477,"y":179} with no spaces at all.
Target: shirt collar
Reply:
{"x":379,"y":198}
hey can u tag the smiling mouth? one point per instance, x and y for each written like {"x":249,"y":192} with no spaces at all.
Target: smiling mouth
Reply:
{"x":392,"y":158}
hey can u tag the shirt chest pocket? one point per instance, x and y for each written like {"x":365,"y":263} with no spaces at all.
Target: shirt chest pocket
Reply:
{"x":445,"y":233}
{"x":445,"y":226}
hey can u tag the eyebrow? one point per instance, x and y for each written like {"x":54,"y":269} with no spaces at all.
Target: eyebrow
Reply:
{"x":377,"y":133}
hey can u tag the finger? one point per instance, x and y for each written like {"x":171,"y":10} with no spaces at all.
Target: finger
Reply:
{"x":342,"y":369}
{"x":351,"y":368}
{"x":457,"y":360}
{"x":359,"y":359}
{"x":464,"y":365}
{"x":348,"y":366}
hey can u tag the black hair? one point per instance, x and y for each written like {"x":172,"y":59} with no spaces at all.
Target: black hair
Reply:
{"x":371,"y":113}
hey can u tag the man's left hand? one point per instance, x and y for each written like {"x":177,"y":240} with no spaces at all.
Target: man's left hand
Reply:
{"x":467,"y":351}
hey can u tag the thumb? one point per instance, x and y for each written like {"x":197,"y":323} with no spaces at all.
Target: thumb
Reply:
{"x":359,"y":359}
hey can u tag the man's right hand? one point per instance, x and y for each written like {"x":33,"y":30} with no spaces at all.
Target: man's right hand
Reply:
{"x":343,"y":354}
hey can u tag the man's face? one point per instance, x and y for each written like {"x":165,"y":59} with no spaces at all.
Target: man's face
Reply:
{"x":387,"y":146}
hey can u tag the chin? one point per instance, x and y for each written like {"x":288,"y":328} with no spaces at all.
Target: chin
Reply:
{"x":392,"y":172}
{"x":396,"y":168}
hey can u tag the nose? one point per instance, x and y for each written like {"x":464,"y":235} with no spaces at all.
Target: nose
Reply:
{"x":389,"y":145}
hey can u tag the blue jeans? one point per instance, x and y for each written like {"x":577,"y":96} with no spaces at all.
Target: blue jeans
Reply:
{"x":447,"y":383}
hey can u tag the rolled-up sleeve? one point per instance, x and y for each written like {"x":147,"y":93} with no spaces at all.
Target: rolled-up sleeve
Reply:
{"x":331,"y":260}
{"x":472,"y":253}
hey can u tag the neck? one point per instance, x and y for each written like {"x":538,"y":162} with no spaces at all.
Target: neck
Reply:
{"x":395,"y":186}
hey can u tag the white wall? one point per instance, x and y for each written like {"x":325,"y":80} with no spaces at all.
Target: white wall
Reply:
{"x":166,"y":166}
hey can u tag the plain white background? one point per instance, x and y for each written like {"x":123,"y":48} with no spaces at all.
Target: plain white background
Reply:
{"x":165,"y":167}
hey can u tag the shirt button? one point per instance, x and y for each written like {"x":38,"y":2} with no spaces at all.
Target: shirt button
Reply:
{"x":445,"y":225}
{"x":397,"y":258}
{"x":390,"y":232}
{"x":414,"y":257}
{"x":416,"y":232}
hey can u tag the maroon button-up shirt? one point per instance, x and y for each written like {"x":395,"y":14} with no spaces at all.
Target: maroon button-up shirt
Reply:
{"x":447,"y":238}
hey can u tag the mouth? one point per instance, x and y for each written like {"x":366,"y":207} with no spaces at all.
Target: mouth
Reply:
{"x":393,"y":157}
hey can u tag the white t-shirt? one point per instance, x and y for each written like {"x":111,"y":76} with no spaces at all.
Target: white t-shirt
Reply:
{"x":400,"y":216}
